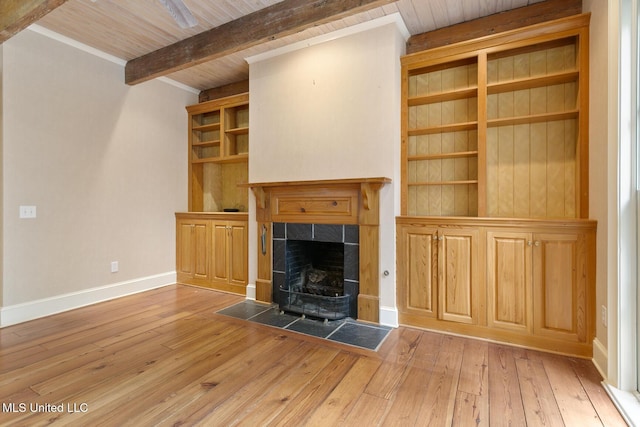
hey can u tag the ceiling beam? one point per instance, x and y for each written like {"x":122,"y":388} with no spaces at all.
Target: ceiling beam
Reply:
{"x":224,"y":91}
{"x":504,"y":21}
{"x":16,"y":15}
{"x":271,"y":23}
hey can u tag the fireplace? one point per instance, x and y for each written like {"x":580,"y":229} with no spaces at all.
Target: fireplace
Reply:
{"x":339,"y":211}
{"x":316,"y":269}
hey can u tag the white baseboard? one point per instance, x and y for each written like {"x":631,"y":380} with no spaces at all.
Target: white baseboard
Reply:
{"x":251,"y":291}
{"x":389,"y":316}
{"x":600,"y":358}
{"x":23,"y":312}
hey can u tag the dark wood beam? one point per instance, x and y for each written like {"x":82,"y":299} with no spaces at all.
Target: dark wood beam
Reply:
{"x":224,"y":91}
{"x":271,"y":23}
{"x":510,"y":20}
{"x":16,"y":15}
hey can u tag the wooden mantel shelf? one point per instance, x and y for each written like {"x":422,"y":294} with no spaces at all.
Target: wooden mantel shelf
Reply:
{"x":333,"y":201}
{"x":368,"y":188}
{"x":327,"y":182}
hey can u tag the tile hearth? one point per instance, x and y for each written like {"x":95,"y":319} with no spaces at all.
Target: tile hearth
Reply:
{"x":346,"y":331}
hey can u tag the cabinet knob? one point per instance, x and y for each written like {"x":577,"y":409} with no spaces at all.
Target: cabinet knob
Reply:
{"x":529,"y":243}
{"x":537,"y":243}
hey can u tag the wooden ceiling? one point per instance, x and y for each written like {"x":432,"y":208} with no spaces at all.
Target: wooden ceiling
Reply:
{"x":212,"y":53}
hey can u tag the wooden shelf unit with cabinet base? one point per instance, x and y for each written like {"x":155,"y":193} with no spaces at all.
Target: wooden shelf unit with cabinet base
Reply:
{"x":494,"y":239}
{"x":211,"y":243}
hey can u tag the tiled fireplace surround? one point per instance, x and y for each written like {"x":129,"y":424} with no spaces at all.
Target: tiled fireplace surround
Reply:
{"x":317,"y":210}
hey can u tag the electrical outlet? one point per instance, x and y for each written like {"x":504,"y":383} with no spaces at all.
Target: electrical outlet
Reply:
{"x":114,"y":266}
{"x":603,"y":312}
{"x":27,"y":211}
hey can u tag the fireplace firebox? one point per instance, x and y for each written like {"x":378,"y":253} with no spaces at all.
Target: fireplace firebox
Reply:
{"x":315,"y":269}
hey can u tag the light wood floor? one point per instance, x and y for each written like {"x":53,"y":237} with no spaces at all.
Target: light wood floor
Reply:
{"x":164,"y":357}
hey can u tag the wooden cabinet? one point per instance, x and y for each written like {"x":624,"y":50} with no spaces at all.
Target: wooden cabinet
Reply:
{"x":218,"y":154}
{"x":529,"y":282}
{"x":193,"y":253}
{"x":212,"y":250}
{"x":498,"y":127}
{"x":509,"y":280}
{"x":439,"y":272}
{"x":538,"y":282}
{"x":230,"y":253}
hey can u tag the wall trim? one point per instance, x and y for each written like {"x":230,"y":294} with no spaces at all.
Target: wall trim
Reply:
{"x":600,"y":358}
{"x":31,"y":310}
{"x":251,"y":291}
{"x":389,"y":316}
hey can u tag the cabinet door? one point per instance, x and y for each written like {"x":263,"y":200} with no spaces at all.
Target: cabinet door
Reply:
{"x":509,"y":280}
{"x":238,"y":253}
{"x":193,"y":253}
{"x":559,"y":291}
{"x":458,"y":275}
{"x":220,"y":270}
{"x":417,"y":278}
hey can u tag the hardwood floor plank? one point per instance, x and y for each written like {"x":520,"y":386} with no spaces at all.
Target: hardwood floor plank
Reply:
{"x":409,"y":397}
{"x":165,"y":357}
{"x":440,"y":395}
{"x":161,"y":394}
{"x":56,"y":364}
{"x":570,"y":396}
{"x":474,"y":371}
{"x":340,"y":402}
{"x":470,"y":410}
{"x":537,"y":396}
{"x":367,"y":411}
{"x":590,"y":380}
{"x":472,"y":399}
{"x":111,"y":363}
{"x":400,"y":345}
{"x":227,"y":380}
{"x":317,"y":391}
{"x":232,"y":408}
{"x":172,"y":396}
{"x":386,"y":379}
{"x":505,"y":401}
{"x":278,"y":399}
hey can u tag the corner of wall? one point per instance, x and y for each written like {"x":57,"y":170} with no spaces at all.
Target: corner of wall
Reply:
{"x":600,"y":358}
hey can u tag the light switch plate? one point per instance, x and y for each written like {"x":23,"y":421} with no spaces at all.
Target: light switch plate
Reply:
{"x":27,"y":211}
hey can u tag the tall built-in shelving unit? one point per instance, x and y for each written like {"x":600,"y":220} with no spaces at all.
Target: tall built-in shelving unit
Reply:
{"x":494,"y":238}
{"x":211,"y":239}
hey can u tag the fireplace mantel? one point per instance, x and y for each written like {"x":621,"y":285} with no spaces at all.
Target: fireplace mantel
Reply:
{"x":335,"y":201}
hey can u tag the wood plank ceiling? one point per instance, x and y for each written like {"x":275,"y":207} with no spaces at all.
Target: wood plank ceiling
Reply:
{"x":131,"y":29}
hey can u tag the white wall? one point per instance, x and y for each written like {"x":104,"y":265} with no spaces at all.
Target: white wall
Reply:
{"x":599,"y":152}
{"x":106,"y":166}
{"x":330,"y":111}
